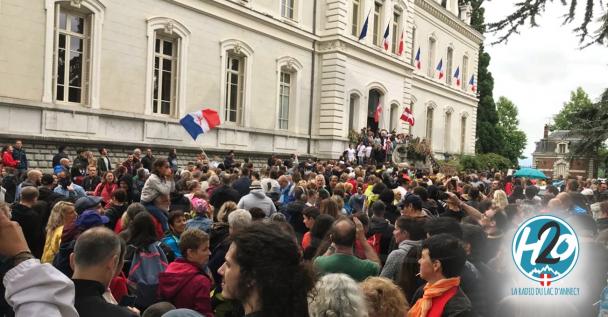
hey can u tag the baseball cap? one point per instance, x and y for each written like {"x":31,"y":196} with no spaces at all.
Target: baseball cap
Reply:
{"x":255,"y":185}
{"x":88,"y":202}
{"x":91,"y":218}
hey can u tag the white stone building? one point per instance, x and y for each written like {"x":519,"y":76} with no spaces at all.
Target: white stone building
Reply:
{"x":286,"y":76}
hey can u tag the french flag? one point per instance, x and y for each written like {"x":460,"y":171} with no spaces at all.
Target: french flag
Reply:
{"x":386,"y":33}
{"x":418,"y":59}
{"x":378,"y":112}
{"x":199,"y":122}
{"x":472,"y":84}
{"x":457,"y":76}
{"x":363,"y":33}
{"x":401,"y":44}
{"x":440,"y":68}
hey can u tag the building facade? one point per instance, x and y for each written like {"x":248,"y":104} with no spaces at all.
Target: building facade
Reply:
{"x":286,"y":76}
{"x":552,"y":156}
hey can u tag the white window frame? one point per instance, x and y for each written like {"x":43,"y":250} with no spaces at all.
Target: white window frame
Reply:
{"x":161,"y":73}
{"x":393,"y":122}
{"x":228,"y":47}
{"x":356,"y":24}
{"x":396,"y":30}
{"x":284,"y":9}
{"x":378,"y":21}
{"x":96,"y":18}
{"x":447,"y":145}
{"x":465,"y":72}
{"x":287,"y":64}
{"x":173,"y":28}
{"x":428,"y":134}
{"x":463,"y":132}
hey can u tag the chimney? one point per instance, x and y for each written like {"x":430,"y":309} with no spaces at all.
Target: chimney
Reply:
{"x":546,"y":135}
{"x":466,"y":11}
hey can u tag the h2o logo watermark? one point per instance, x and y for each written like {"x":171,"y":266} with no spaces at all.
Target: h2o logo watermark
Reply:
{"x":545,"y":249}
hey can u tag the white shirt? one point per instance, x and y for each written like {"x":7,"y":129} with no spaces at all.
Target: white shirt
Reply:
{"x":368,"y":151}
{"x":351,"y":154}
{"x":361,"y":150}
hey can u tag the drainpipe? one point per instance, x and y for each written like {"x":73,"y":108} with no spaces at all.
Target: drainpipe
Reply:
{"x":312,"y":74}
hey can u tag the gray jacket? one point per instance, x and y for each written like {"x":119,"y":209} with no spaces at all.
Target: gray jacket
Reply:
{"x":257,"y":198}
{"x":395,"y":259}
{"x":154,"y":187}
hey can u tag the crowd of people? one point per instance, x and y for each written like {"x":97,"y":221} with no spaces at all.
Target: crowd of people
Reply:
{"x":297,"y":237}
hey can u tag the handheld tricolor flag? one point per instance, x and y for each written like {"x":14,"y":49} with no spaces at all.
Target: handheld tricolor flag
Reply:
{"x":378,"y":112}
{"x":408,"y":116}
{"x":386,"y":33}
{"x":418,"y":59}
{"x":199,"y":122}
{"x":401,"y":44}
{"x":363,"y":33}
{"x":472,"y":84}
{"x":457,"y":76}
{"x":440,"y":68}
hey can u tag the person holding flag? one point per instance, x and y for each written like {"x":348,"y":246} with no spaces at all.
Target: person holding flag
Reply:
{"x":440,"y":68}
{"x":378,"y":112}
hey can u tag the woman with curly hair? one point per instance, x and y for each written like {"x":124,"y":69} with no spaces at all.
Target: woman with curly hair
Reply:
{"x":384,"y":298}
{"x":264,"y":271}
{"x":337,"y":295}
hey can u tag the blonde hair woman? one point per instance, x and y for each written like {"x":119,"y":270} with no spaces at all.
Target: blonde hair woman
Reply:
{"x":500,"y":199}
{"x":384,"y":298}
{"x":62,"y":214}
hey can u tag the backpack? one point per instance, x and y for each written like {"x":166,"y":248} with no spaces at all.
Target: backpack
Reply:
{"x":145,"y":268}
{"x":61,"y":261}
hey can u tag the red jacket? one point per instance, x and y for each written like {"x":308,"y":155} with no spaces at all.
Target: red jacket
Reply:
{"x":186,"y":286}
{"x":8,"y":160}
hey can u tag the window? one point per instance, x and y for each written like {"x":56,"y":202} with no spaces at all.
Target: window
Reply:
{"x":284,"y":99}
{"x":463,"y":133}
{"x":356,"y":17}
{"x":377,"y":36}
{"x":431,"y":67}
{"x":234,"y":88}
{"x":562,"y":148}
{"x":429,"y":125}
{"x":163,"y":94}
{"x":444,"y":3}
{"x":413,"y":52}
{"x":448,"y":131}
{"x":465,"y":72}
{"x":353,"y":118}
{"x":394,"y":117}
{"x":396,"y":32}
{"x":72,"y":56}
{"x":287,"y":8}
{"x":448,"y":70}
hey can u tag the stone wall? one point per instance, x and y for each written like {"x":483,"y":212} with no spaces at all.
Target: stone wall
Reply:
{"x":40,"y":152}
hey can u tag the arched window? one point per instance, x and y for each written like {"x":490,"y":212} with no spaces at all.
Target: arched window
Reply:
{"x":288,"y":70}
{"x":73,"y":52}
{"x":429,"y":124}
{"x":237,"y":58}
{"x":375,"y":98}
{"x":465,"y":72}
{"x":431,"y":61}
{"x":167,"y":65}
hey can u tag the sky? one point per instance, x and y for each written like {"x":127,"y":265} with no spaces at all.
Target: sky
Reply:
{"x":538,"y":68}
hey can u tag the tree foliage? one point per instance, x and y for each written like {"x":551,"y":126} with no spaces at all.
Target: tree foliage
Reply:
{"x":579,"y":100}
{"x":528,"y":11}
{"x":484,"y":162}
{"x":591,"y":123}
{"x":514,"y":140}
{"x":489,"y":139}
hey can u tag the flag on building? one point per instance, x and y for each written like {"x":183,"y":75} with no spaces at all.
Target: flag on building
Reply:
{"x":473,"y":84}
{"x":401,"y":44}
{"x":386,"y":34}
{"x":408,"y":116}
{"x":457,"y":76}
{"x":440,"y":68}
{"x":199,"y":122}
{"x":418,"y":59}
{"x":363,"y":33}
{"x":378,"y":112}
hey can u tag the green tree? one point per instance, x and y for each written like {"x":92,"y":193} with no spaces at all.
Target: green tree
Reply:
{"x":591,"y":123}
{"x":514,"y":140}
{"x":489,"y":139}
{"x":579,"y":100}
{"x":527,"y":11}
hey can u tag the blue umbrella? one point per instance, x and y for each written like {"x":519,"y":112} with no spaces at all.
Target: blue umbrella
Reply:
{"x":530,"y":173}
